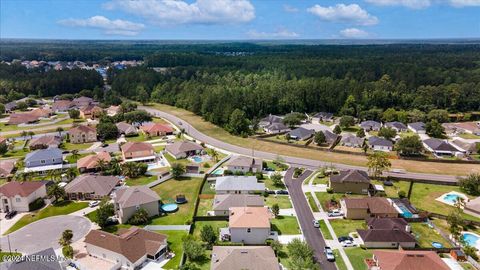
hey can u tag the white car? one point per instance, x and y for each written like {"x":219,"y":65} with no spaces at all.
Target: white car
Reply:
{"x":348,"y":243}
{"x":93,"y":203}
{"x":329,"y":254}
{"x":316,"y":224}
{"x":335,"y":213}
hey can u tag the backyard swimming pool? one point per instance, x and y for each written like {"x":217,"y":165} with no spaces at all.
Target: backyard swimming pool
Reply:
{"x":197,"y":159}
{"x":471,"y":239}
{"x":218,"y":171}
{"x":169,"y":207}
{"x":405,"y":212}
{"x":452,"y":197}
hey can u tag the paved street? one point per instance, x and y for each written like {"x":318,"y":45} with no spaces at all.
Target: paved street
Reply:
{"x":305,"y":217}
{"x":45,"y":233}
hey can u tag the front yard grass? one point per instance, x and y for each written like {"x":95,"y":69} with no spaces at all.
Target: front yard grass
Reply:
{"x":61,"y":208}
{"x":141,"y":181}
{"x":324,"y":197}
{"x":357,"y":257}
{"x":325,"y":232}
{"x":311,"y":202}
{"x":392,"y":191}
{"x":342,"y":227}
{"x":269,"y":184}
{"x":320,"y":180}
{"x":426,"y":235}
{"x":283,"y":201}
{"x":339,"y":260}
{"x":168,"y":191}
{"x":217,"y":225}
{"x":285,"y":225}
{"x":174,"y":239}
{"x":75,"y":146}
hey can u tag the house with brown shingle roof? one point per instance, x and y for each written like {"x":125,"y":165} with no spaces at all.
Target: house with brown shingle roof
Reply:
{"x":126,"y":129}
{"x":351,"y":181}
{"x":244,"y":164}
{"x":249,"y":225}
{"x":130,"y":248}
{"x":82,"y":134}
{"x":22,"y":118}
{"x":362,"y":208}
{"x":223,"y":202}
{"x":44,"y":142}
{"x":90,"y":163}
{"x":128,"y":200}
{"x":156,"y":129}
{"x":42,"y":112}
{"x":408,"y":260}
{"x":16,"y":196}
{"x":244,"y":257}
{"x":183,"y":149}
{"x":138,"y":151}
{"x":62,"y":105}
{"x":91,"y":187}
{"x":90,"y":112}
{"x":6,"y":167}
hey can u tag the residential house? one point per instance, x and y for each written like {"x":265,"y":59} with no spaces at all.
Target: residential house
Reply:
{"x":238,"y":185}
{"x":249,"y":225}
{"x":465,"y":147}
{"x":380,"y":144}
{"x":351,"y":140}
{"x":91,"y":187}
{"x":362,"y":208}
{"x":350,"y":181}
{"x":113,"y":110}
{"x":42,"y":112}
{"x":440,"y":147}
{"x":183,"y":149}
{"x":10,"y":107}
{"x":6,"y":167}
{"x":244,"y":257}
{"x":472,"y":207}
{"x":417,"y":127}
{"x":128,"y":200}
{"x":301,"y":134}
{"x":397,"y":126}
{"x":223,"y":202}
{"x":128,"y":249}
{"x":156,"y":129}
{"x":386,"y":238}
{"x":3,"y":141}
{"x":408,"y":259}
{"x":138,"y":151}
{"x":330,"y":137}
{"x":370,"y":125}
{"x":22,"y":118}
{"x":462,"y":127}
{"x":82,"y":134}
{"x":62,"y":105}
{"x":126,"y":129}
{"x":322,"y":117}
{"x":275,"y":128}
{"x":16,"y":196}
{"x":90,"y":111}
{"x":82,"y":101}
{"x":44,"y":160}
{"x":244,"y":164}
{"x":270,"y":119}
{"x":44,"y":141}
{"x":90,"y":163}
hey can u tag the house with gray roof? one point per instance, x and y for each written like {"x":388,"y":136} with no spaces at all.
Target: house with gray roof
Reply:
{"x":91,"y":187}
{"x":322,"y":117}
{"x":440,"y":147}
{"x":9,"y":107}
{"x":351,"y":140}
{"x":128,"y":200}
{"x":126,"y":129}
{"x":275,"y":128}
{"x":44,"y":160}
{"x":238,"y":185}
{"x":330,"y":137}
{"x":370,"y":125}
{"x":244,"y":257}
{"x":351,"y":181}
{"x":397,"y":126}
{"x":301,"y":134}
{"x":244,"y":164}
{"x":466,"y":147}
{"x":270,"y":119}
{"x":380,"y":144}
{"x":417,"y":127}
{"x":183,"y":149}
{"x":223,"y":202}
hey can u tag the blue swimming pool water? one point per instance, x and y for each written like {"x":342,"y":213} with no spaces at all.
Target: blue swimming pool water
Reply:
{"x":471,"y":239}
{"x":218,"y":171}
{"x":437,"y":245}
{"x":406,"y":213}
{"x":451,"y":198}
{"x":197,"y":159}
{"x":169,"y":207}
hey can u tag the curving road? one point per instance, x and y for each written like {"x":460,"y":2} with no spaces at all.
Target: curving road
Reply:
{"x":293,"y":161}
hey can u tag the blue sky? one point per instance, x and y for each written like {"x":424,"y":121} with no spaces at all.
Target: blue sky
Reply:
{"x":239,"y":19}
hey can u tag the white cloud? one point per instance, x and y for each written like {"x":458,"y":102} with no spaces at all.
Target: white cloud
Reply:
{"x":414,"y":4}
{"x":344,"y":13}
{"x":110,"y":27}
{"x":290,"y":9}
{"x":353,"y":33}
{"x":281,"y":33}
{"x":464,"y":3}
{"x":166,"y":12}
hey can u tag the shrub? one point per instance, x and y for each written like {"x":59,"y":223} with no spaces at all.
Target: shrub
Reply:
{"x":330,"y":190}
{"x":37,"y":204}
{"x":227,"y":172}
{"x":67,"y":251}
{"x":140,"y":217}
{"x":402,"y":194}
{"x":206,"y":165}
{"x":259,"y":175}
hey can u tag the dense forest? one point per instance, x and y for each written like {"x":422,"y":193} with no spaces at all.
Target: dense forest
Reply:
{"x":214,"y":79}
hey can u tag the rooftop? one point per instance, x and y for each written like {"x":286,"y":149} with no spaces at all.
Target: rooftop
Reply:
{"x":244,"y":257}
{"x":249,"y":217}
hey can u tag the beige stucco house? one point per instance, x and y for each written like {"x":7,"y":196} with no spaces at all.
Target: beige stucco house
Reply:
{"x":249,"y":225}
{"x":16,"y":196}
{"x":128,"y":200}
{"x":82,"y":134}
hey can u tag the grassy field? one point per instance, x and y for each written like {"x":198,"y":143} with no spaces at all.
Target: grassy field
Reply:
{"x":283,"y":201}
{"x":204,"y":206}
{"x":392,"y":191}
{"x":468,"y":136}
{"x":357,"y":257}
{"x":215,"y":224}
{"x":140,"y":181}
{"x":75,"y":146}
{"x":269,"y":184}
{"x":426,"y":235}
{"x":324,"y":197}
{"x":319,"y":180}
{"x":219,"y":133}
{"x":339,"y":260}
{"x":74,"y":159}
{"x":168,"y":191}
{"x":62,"y":208}
{"x":285,"y":225}
{"x":325,"y":232}
{"x":174,"y":244}
{"x":311,"y":202}
{"x":343,"y":227}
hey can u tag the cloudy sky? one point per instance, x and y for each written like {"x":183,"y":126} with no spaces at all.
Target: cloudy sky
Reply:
{"x":239,"y":19}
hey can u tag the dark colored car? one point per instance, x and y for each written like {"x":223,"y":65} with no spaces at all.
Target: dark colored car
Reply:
{"x":268,"y":191}
{"x":343,"y":238}
{"x":10,"y":214}
{"x":65,"y":152}
{"x":388,"y":183}
{"x":282,"y":192}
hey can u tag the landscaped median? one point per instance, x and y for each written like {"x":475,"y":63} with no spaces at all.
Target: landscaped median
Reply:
{"x":61,"y":208}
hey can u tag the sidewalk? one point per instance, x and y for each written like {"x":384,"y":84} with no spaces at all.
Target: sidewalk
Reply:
{"x":5,"y":224}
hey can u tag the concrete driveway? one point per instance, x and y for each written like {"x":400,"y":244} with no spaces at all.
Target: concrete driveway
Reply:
{"x":45,"y":233}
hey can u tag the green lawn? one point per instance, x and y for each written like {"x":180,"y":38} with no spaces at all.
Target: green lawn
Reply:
{"x":283,"y":201}
{"x":426,"y":235}
{"x":311,"y":202}
{"x":285,"y":225}
{"x":339,"y":260}
{"x":174,"y":244}
{"x":324,"y":197}
{"x":343,"y":227}
{"x":168,"y":191}
{"x":140,"y":181}
{"x":269,"y":184}
{"x":75,"y":146}
{"x":320,"y":180}
{"x":215,"y":224}
{"x":74,"y":159}
{"x":62,"y":208}
{"x":392,"y":191}
{"x":207,"y":189}
{"x":467,"y":266}
{"x":357,"y":257}
{"x":2,"y":254}
{"x":325,"y":232}
{"x":204,"y":206}
{"x":139,"y":138}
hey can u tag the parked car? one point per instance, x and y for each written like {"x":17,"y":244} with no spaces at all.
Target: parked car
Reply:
{"x":316,"y":224}
{"x":93,"y":203}
{"x":345,"y":238}
{"x":335,"y":213}
{"x":268,"y":191}
{"x":329,"y":254}
{"x":10,"y":214}
{"x":282,"y":192}
{"x":348,"y":243}
{"x":112,"y":221}
{"x":388,"y":183}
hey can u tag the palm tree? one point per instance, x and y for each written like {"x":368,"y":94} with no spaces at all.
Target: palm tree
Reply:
{"x":31,"y":133}
{"x":21,"y":176}
{"x":75,"y":154}
{"x":54,"y":175}
{"x":71,"y":173}
{"x":60,"y":130}
{"x":102,"y":165}
{"x":56,"y":191}
{"x":214,"y":154}
{"x":66,"y":238}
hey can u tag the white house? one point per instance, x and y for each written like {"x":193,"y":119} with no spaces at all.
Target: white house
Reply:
{"x":16,"y":196}
{"x":417,"y":127}
{"x":380,"y":144}
{"x":238,"y":185}
{"x":244,"y":164}
{"x":249,"y":225}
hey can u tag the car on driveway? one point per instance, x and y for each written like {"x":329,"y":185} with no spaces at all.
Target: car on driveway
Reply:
{"x":282,"y":192}
{"x":269,"y":191}
{"x":10,"y":214}
{"x":348,"y":243}
{"x":316,"y":224}
{"x":93,"y":203}
{"x":329,"y":254}
{"x":345,"y":238}
{"x":335,"y":213}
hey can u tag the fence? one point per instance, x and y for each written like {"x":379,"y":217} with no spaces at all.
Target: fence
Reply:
{"x":160,"y":180}
{"x":468,"y":222}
